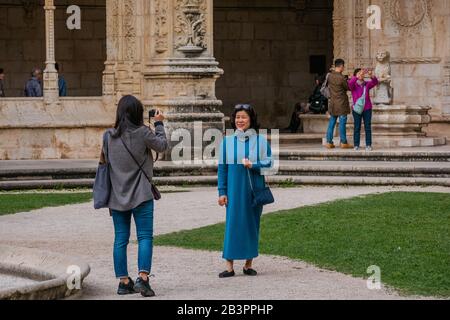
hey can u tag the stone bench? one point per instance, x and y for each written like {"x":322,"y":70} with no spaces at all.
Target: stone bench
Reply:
{"x":49,"y":271}
{"x":392,"y":126}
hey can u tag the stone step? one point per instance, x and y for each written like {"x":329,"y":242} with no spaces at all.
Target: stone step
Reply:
{"x":365,"y":168}
{"x":382,"y":155}
{"x":395,"y":142}
{"x":299,"y":138}
{"x":291,"y":167}
{"x":281,"y":180}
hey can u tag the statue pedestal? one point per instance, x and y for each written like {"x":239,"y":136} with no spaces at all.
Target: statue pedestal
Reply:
{"x":397,"y":126}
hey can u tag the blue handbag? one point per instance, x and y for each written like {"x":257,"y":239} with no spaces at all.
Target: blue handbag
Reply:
{"x":261,"y":196}
{"x":360,"y":103}
{"x":102,"y":183}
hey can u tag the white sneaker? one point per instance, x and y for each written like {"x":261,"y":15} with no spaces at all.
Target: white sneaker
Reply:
{"x":356,"y":148}
{"x":369,"y":148}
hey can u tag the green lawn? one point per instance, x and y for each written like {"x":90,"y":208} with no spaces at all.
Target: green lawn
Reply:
{"x":406,"y":234}
{"x":13,"y":203}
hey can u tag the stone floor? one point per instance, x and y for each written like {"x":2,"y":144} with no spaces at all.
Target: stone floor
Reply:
{"x":187,"y":274}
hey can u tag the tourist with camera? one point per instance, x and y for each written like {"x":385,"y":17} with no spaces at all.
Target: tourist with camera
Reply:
{"x":127,"y":151}
{"x":362,"y":105}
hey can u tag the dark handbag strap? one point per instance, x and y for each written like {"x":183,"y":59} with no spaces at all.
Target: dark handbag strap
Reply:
{"x":139,"y":165}
{"x":105,"y":147}
{"x":248,"y":170}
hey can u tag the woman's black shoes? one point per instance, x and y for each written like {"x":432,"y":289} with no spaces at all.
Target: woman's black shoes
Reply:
{"x":226,"y":274}
{"x":250,"y":272}
{"x":143,"y":287}
{"x":126,"y":288}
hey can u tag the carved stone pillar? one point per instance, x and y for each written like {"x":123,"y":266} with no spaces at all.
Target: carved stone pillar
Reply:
{"x":51,"y":92}
{"x":180,"y":69}
{"x":351,"y":36}
{"x":123,"y":67}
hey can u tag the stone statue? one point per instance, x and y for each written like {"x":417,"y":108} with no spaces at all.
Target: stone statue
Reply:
{"x":384,"y":91}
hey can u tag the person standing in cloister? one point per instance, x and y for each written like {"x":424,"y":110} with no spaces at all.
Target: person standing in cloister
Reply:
{"x":33,"y":87}
{"x":359,"y":87}
{"x":338,"y":105}
{"x":2,"y":84}
{"x":243,"y":157}
{"x":127,"y":150}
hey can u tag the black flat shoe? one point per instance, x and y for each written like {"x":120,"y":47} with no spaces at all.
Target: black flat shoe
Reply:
{"x":250,"y":272}
{"x":143,"y":287}
{"x":226,"y":274}
{"x":126,"y":288}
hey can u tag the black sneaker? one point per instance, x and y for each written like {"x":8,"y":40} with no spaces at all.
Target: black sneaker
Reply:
{"x":126,"y":288}
{"x":226,"y":274}
{"x":143,"y":287}
{"x":250,"y":272}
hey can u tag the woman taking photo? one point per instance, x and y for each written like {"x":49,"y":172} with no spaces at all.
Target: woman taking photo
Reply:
{"x":359,"y":88}
{"x":128,"y":151}
{"x":242,"y":158}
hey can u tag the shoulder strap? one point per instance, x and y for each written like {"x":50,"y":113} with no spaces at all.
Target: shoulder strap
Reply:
{"x":132,"y":156}
{"x":248,"y":170}
{"x":326,"y":79}
{"x":105,"y":146}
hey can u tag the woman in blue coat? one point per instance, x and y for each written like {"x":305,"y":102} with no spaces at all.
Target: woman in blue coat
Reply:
{"x":243,"y":157}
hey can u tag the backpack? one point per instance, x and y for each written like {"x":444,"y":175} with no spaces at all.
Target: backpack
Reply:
{"x":318,"y":104}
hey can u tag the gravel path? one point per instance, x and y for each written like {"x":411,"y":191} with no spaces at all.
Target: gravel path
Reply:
{"x":187,"y":274}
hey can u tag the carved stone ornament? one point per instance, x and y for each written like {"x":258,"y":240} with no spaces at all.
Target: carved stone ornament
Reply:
{"x":190,"y":26}
{"x":161,"y":27}
{"x":408,"y":13}
{"x":129,"y":29}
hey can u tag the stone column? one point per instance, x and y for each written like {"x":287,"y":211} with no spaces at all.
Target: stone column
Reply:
{"x":51,"y":92}
{"x":123,"y":67}
{"x":180,"y":69}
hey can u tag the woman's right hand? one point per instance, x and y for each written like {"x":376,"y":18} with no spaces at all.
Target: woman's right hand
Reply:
{"x":223,"y":201}
{"x":159,"y":116}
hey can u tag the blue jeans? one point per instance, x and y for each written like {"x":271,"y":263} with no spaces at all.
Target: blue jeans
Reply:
{"x":342,"y":128}
{"x":143,"y":217}
{"x":367,"y":117}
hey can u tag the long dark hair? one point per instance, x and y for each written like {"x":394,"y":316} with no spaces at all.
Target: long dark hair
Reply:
{"x":251,"y":113}
{"x":129,"y":111}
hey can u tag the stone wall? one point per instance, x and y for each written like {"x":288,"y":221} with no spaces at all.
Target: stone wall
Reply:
{"x":264,"y":49}
{"x":71,"y":129}
{"x":417,"y":35}
{"x":80,"y":53}
{"x":418,"y":38}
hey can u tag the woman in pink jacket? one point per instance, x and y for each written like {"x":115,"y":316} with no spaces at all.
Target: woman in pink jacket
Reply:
{"x":356,"y":85}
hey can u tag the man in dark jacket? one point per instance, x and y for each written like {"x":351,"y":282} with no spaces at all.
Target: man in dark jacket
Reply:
{"x":33,"y":88}
{"x":2,"y":85}
{"x":338,"y":105}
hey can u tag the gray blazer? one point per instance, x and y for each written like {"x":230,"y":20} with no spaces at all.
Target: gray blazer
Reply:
{"x":130,"y":187}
